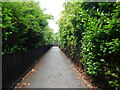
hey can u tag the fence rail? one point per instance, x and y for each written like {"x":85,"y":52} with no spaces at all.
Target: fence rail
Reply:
{"x":16,"y":65}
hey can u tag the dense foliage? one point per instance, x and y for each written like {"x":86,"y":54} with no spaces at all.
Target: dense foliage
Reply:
{"x":56,"y":39}
{"x":0,"y":14}
{"x":24,"y":26}
{"x":92,"y":30}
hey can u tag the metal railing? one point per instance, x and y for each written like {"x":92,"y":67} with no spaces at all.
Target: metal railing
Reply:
{"x":16,"y":65}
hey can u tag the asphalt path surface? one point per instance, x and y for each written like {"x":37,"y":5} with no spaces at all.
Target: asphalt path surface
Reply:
{"x":54,"y":72}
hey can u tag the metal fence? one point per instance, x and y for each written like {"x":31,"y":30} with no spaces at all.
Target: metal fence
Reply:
{"x":16,"y":65}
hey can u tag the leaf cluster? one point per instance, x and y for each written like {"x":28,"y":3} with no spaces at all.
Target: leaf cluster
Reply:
{"x":92,"y":29}
{"x":24,"y":26}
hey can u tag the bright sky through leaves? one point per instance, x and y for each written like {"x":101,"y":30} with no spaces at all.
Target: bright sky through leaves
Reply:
{"x":53,"y":7}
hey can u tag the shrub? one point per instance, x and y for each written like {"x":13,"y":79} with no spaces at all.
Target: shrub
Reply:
{"x":24,"y":26}
{"x":93,"y":28}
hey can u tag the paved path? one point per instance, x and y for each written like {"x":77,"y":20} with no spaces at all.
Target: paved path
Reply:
{"x":54,"y":72}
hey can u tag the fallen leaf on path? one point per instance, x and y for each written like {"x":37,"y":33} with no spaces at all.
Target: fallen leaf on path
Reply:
{"x":15,"y":87}
{"x":28,"y":84}
{"x":24,"y":84}
{"x":23,"y":78}
{"x":33,"y":70}
{"x":18,"y":83}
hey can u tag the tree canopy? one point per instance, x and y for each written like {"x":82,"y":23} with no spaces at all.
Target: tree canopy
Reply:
{"x":24,"y":26}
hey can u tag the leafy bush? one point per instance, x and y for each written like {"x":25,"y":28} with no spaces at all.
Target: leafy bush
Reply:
{"x":24,"y":26}
{"x":93,"y":29}
{"x":101,"y":41}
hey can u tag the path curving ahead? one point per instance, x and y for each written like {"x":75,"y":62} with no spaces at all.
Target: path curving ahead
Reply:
{"x":54,"y":72}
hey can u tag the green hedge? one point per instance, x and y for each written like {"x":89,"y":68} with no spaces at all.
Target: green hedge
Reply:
{"x":24,"y":26}
{"x":93,"y":29}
